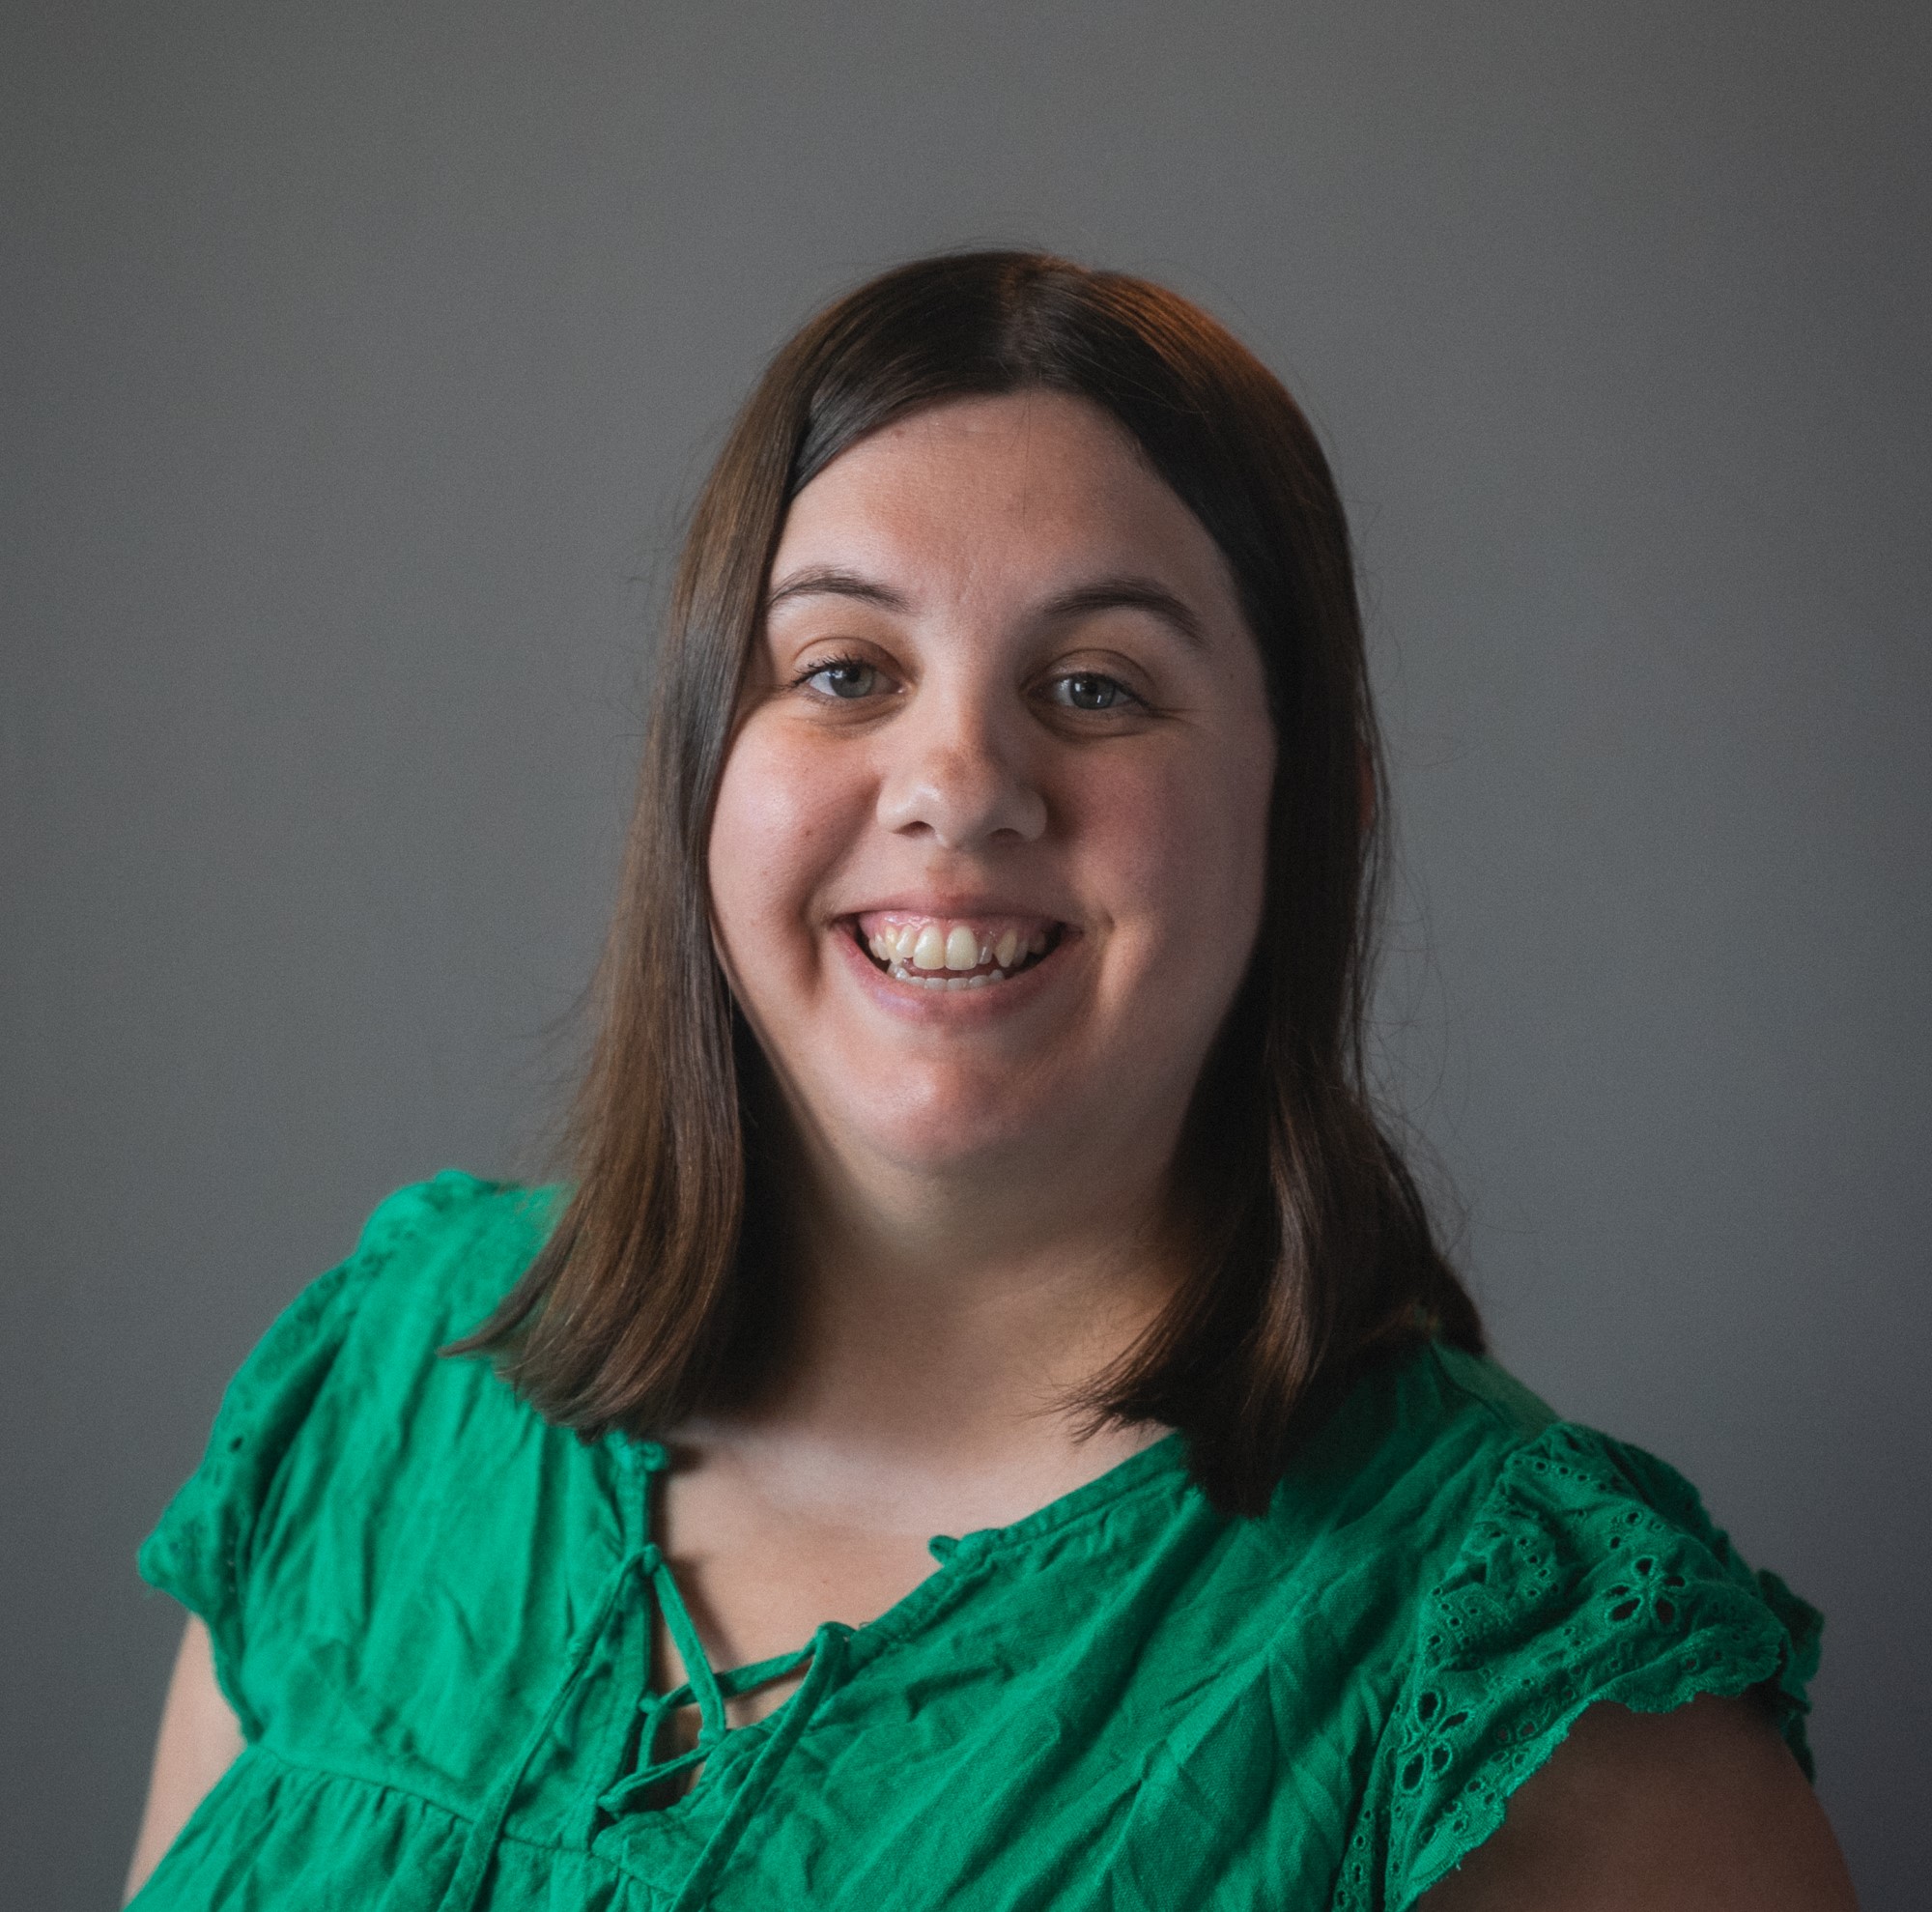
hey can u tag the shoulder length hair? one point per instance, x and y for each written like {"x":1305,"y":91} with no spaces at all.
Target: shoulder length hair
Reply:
{"x":1313,"y":1253}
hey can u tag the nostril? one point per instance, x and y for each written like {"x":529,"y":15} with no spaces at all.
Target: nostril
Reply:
{"x":962,"y":806}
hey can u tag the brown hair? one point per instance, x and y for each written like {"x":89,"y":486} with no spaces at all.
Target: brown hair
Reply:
{"x":1315,"y":1253}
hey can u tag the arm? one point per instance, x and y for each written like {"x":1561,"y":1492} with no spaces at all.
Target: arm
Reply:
{"x":198,"y":1743}
{"x":1701,"y":1810}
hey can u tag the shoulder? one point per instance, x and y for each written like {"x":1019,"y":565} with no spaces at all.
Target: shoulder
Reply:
{"x":1534,"y":1568}
{"x":348,"y":1403}
{"x":1493,"y":1513}
{"x":1383,"y":1496}
{"x":445,"y":1251}
{"x":370,"y":1506}
{"x":435,"y":1258}
{"x":1700,"y":1807}
{"x":1417,"y":1447}
{"x":430,"y":1260}
{"x":358,"y":1358}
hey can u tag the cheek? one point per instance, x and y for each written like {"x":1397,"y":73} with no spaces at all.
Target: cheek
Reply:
{"x":780,"y":823}
{"x":1186,"y":850}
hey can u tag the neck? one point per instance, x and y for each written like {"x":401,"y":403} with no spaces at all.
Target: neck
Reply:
{"x":941,"y":1326}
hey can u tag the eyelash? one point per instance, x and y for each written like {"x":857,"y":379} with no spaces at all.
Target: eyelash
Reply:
{"x":819,"y":665}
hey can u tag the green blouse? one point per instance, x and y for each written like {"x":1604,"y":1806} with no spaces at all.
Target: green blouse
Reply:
{"x":431,"y":1613}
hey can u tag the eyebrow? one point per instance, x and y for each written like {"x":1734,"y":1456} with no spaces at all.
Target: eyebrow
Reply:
{"x":1127,"y":594}
{"x":1116,"y":593}
{"x":827,"y":582}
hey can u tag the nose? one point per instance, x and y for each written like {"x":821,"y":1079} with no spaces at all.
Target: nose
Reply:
{"x":955,"y":774}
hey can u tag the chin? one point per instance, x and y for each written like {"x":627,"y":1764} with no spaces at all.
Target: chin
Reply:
{"x":954,"y":1128}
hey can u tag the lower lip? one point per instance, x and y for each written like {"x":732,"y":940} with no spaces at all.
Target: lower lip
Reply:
{"x":919,"y":1004}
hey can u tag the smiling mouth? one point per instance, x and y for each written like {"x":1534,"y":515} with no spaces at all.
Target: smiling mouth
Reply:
{"x":955,"y":953}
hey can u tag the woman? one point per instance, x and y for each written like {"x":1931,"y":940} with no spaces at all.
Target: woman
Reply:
{"x":975,"y":1146}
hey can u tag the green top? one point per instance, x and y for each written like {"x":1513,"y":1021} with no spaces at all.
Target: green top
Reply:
{"x":431,"y":1613}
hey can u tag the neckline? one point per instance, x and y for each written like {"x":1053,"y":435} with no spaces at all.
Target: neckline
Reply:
{"x":1166,"y":1453}
{"x":954,"y":1553}
{"x":1160,"y":1455}
{"x":836,"y":1648}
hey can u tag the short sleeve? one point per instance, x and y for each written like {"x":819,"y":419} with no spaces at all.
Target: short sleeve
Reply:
{"x":199,"y":1551}
{"x":1591,"y":1573}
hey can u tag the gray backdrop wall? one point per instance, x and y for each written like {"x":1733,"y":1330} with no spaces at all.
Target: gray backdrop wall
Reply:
{"x":358,"y":362}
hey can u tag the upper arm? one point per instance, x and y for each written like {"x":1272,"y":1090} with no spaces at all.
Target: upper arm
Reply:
{"x":1699,"y":1810}
{"x":199,"y":1741}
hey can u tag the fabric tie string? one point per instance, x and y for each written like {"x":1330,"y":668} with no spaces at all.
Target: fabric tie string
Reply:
{"x":703,"y":1686}
{"x":473,"y":1867}
{"x":656,"y":1706}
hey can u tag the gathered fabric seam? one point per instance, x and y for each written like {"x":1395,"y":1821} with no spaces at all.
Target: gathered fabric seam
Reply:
{"x":459,"y":1816}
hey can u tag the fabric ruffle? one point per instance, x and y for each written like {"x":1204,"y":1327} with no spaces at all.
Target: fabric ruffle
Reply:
{"x":1591,"y":1573}
{"x":199,"y":1549}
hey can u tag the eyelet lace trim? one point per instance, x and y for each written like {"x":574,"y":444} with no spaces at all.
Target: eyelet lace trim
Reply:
{"x":1592,"y":1573}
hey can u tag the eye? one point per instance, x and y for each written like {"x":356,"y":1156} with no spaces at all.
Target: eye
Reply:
{"x":846,"y":678}
{"x":1089,"y":690}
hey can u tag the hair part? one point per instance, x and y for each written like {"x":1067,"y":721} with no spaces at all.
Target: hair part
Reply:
{"x":1313,"y":1251}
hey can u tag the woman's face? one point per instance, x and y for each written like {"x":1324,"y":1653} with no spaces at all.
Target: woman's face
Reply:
{"x":988,"y":862}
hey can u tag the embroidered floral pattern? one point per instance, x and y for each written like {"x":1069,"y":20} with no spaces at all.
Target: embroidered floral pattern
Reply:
{"x":1592,"y":1573}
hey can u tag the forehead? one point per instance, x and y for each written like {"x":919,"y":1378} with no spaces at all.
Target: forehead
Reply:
{"x":1024,"y":482}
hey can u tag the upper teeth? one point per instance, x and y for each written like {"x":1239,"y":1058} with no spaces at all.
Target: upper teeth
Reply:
{"x":933,"y":946}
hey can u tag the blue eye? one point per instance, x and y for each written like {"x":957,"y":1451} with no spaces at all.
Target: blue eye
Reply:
{"x":844,"y":678}
{"x":1087,"y":689}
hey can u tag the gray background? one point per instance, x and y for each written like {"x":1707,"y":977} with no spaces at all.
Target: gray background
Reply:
{"x":358,"y":362}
